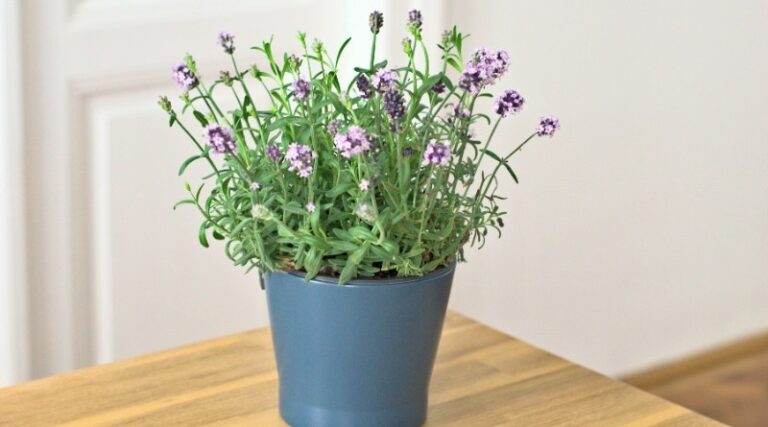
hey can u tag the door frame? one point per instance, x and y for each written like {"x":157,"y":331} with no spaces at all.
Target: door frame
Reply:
{"x":14,"y":344}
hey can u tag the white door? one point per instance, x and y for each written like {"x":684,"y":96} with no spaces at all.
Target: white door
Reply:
{"x":112,"y":270}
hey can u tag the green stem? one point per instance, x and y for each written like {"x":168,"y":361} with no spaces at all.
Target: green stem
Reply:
{"x":477,"y":161}
{"x":250,"y":99}
{"x":504,"y":160}
{"x":373,"y":53}
{"x":203,"y":151}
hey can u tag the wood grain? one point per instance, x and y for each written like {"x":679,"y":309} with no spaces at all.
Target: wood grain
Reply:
{"x":729,"y":383}
{"x":482,"y":378}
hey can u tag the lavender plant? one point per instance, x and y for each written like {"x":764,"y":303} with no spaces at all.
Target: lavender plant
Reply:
{"x":377,"y":178}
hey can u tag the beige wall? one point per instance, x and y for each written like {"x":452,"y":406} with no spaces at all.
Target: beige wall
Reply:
{"x":640,"y":233}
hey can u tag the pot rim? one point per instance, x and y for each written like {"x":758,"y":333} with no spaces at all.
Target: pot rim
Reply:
{"x":361,"y":283}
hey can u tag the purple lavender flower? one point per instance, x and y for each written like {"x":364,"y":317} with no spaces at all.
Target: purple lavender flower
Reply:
{"x":310,"y":207}
{"x":353,"y":141}
{"x":414,"y":20}
{"x":333,"y":128}
{"x":364,"y":184}
{"x":483,"y":69}
{"x":471,"y":79}
{"x":376,"y":21}
{"x":220,"y":138}
{"x":273,"y":152}
{"x":509,"y":102}
{"x":227,"y":41}
{"x":492,"y":63}
{"x":301,"y":88}
{"x":436,"y":153}
{"x":547,"y":126}
{"x":438,"y":87}
{"x":407,"y":151}
{"x":394,"y":103}
{"x":185,"y":77}
{"x":364,"y":86}
{"x":384,"y":80}
{"x":301,"y":158}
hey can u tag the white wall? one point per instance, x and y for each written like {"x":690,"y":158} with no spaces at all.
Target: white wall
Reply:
{"x":640,"y":233}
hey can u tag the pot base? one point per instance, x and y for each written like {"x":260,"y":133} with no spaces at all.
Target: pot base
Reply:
{"x":300,"y":414}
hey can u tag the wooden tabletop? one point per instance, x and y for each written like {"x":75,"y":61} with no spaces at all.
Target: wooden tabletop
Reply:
{"x":482,"y":378}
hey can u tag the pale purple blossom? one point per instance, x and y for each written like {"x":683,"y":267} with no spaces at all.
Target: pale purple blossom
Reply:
{"x":436,"y":153}
{"x":302,"y":158}
{"x":301,"y":88}
{"x":438,"y":87}
{"x":376,"y":21}
{"x":227,"y":41}
{"x":364,"y":184}
{"x":547,"y":126}
{"x":254,"y":186}
{"x":219,"y":138}
{"x":353,"y":141}
{"x":415,"y":20}
{"x":272,"y":151}
{"x":184,"y":77}
{"x":483,"y":69}
{"x":384,"y":80}
{"x":509,"y":102}
{"x":471,"y":79}
{"x":310,"y":207}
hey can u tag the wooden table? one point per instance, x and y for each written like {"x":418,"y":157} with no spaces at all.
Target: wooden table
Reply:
{"x":482,"y":378}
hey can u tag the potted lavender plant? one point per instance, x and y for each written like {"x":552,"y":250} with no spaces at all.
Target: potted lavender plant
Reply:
{"x":355,"y":201}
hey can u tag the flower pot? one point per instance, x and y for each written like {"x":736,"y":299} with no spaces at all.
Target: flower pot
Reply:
{"x":359,"y":354}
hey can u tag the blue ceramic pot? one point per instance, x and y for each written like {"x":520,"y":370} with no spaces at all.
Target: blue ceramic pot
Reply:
{"x":359,"y":354}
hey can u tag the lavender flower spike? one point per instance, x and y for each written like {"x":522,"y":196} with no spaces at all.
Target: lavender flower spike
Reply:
{"x":352,"y":142}
{"x":384,"y":80}
{"x":220,"y":138}
{"x":415,"y":20}
{"x":483,"y":69}
{"x":509,"y":102}
{"x":547,"y":126}
{"x":436,"y":153}
{"x":227,"y":41}
{"x":185,"y":77}
{"x":394,"y":104}
{"x":301,"y":158}
{"x":364,"y":86}
{"x":301,"y":88}
{"x":272,"y":151}
{"x":376,"y":21}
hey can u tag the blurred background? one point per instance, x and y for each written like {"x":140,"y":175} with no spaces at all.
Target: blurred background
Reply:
{"x":636,"y":238}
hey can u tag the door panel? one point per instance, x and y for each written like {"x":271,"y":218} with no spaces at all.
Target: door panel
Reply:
{"x":114,"y":271}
